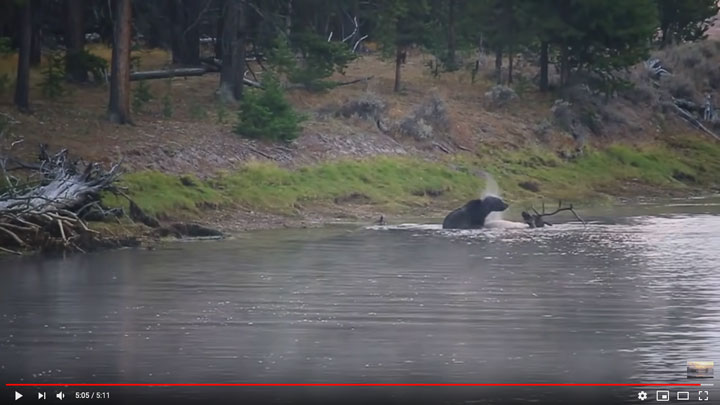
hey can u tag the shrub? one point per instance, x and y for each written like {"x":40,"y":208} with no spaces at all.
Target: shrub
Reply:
{"x":167,"y":107}
{"x":84,"y":61}
{"x":141,"y":95}
{"x":429,"y":119}
{"x":221,"y":113}
{"x":320,"y":59}
{"x":5,"y":83}
{"x":198,"y":112}
{"x":500,"y":96}
{"x":266,"y":114}
{"x":680,"y":87}
{"x":5,"y":45}
{"x":366,"y":106}
{"x":53,"y":76}
{"x":522,"y":85}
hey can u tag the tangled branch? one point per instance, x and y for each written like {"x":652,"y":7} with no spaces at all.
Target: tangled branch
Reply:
{"x":537,"y":219}
{"x":47,"y":210}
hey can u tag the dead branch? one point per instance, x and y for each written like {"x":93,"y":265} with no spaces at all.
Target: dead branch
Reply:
{"x":293,"y":86}
{"x":12,"y":252}
{"x":347,"y":83}
{"x":537,"y":219}
{"x":357,"y":43}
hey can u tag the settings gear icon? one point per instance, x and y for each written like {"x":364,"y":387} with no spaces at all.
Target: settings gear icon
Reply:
{"x":642,"y":395}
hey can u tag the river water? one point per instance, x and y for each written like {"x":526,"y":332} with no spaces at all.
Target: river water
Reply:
{"x":628,"y":298}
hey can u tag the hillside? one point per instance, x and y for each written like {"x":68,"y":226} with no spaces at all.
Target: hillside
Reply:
{"x":537,"y":145}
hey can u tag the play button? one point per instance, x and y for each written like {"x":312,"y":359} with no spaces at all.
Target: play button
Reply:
{"x":18,"y":395}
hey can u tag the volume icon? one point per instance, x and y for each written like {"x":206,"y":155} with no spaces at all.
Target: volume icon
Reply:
{"x":60,"y":395}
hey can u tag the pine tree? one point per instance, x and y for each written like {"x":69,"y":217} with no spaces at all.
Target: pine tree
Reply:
{"x":400,"y":23}
{"x":685,"y":20}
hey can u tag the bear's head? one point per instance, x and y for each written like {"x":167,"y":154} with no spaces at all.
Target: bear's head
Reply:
{"x":478,"y":210}
{"x":492,"y":203}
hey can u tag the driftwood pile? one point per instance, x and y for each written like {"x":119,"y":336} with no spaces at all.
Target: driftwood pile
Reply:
{"x":537,"y":219}
{"x":49,"y":206}
{"x":47,"y":210}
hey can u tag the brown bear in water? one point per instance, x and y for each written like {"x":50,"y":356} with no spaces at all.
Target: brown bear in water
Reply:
{"x":472,"y":215}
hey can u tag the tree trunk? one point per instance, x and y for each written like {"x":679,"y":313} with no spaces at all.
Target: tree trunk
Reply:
{"x":22,"y":83}
{"x":186,"y":34}
{"x":544,"y":82}
{"x":288,"y":19}
{"x":399,"y":58}
{"x":119,"y":106}
{"x":564,"y":65}
{"x":233,"y":61}
{"x":451,"y":62}
{"x":665,"y":34}
{"x":510,"y":67}
{"x":498,"y":65}
{"x":75,"y":40}
{"x":36,"y":41}
{"x":218,"y":36}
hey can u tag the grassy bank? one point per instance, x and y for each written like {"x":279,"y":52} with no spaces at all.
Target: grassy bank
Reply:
{"x":679,"y":165}
{"x":390,"y":183}
{"x":403,"y":184}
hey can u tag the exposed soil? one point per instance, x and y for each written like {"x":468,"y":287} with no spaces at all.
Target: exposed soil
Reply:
{"x":198,"y":138}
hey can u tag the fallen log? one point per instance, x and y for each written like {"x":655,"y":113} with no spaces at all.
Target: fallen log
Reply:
{"x":293,"y":86}
{"x":181,"y":72}
{"x":164,"y":74}
{"x":688,"y":116}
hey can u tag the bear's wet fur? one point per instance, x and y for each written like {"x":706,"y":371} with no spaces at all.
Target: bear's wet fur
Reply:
{"x":472,"y":215}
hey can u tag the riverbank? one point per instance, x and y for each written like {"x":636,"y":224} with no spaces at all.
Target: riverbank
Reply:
{"x":190,"y":166}
{"x":264,"y":195}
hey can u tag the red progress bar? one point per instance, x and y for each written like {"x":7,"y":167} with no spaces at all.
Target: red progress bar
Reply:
{"x":352,"y":385}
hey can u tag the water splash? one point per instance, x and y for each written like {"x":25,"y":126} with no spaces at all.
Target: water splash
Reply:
{"x":492,"y":189}
{"x":491,"y":186}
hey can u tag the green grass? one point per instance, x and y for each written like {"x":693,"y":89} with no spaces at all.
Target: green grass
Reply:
{"x":390,"y":183}
{"x":678,"y":164}
{"x":395,"y":184}
{"x":164,"y":194}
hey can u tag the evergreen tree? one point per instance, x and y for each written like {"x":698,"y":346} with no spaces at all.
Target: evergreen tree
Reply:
{"x":400,"y":23}
{"x":685,"y":20}
{"x":610,"y":34}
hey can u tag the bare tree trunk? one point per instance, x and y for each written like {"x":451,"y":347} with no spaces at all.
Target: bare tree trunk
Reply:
{"x":451,"y":62}
{"x":75,"y":40}
{"x":233,"y":42}
{"x":544,"y":82}
{"x":119,"y":106}
{"x":498,"y":65}
{"x":186,"y":34}
{"x":399,"y":60}
{"x":22,"y":83}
